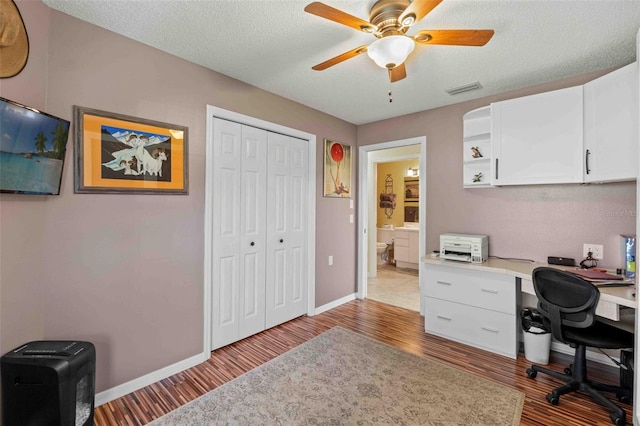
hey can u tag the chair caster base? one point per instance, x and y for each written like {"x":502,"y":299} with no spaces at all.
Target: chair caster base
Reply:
{"x":553,"y":398}
{"x":625,"y":399}
{"x":617,"y":420}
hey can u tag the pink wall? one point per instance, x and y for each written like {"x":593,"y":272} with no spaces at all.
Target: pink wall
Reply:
{"x":22,"y":220}
{"x":530,"y":222}
{"x":126,"y":271}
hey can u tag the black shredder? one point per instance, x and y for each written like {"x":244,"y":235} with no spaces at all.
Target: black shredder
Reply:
{"x":49,"y":383}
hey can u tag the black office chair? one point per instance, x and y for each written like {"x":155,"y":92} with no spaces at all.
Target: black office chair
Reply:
{"x":567,"y":304}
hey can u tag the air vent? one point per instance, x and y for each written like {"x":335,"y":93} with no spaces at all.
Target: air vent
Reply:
{"x":465,"y":88}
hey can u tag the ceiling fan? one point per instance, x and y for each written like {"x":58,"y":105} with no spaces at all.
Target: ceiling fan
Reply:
{"x":389,"y":21}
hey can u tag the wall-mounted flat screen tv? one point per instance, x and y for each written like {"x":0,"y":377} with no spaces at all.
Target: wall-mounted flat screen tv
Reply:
{"x":32,"y":149}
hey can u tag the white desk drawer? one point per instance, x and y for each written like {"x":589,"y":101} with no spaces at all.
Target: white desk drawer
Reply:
{"x":486,"y":290}
{"x":489,"y":330}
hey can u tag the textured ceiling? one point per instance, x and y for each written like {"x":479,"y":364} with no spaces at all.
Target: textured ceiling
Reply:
{"x":272,"y":44}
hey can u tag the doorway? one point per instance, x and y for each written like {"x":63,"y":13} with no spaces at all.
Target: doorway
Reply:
{"x":367,"y":229}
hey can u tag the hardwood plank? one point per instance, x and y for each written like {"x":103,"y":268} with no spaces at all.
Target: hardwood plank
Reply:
{"x":395,"y":326}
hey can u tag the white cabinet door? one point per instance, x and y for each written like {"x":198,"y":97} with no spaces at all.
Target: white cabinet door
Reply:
{"x":401,"y":246}
{"x":286,"y":286}
{"x":538,"y":139}
{"x":611,"y":126}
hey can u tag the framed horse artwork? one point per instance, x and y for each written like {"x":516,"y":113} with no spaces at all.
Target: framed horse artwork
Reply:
{"x":116,"y":153}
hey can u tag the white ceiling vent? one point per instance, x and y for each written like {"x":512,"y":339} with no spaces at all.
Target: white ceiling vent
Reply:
{"x":465,"y":88}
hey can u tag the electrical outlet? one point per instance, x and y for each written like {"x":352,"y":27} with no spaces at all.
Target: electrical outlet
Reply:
{"x":597,"y":251}
{"x":330,"y":260}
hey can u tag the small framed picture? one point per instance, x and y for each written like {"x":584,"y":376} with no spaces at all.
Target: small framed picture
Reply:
{"x":115,"y":153}
{"x":337,"y":169}
{"x":411,"y":189}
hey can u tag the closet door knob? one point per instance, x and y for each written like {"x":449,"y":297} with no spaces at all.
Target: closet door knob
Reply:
{"x":252,"y":244}
{"x":281,"y":240}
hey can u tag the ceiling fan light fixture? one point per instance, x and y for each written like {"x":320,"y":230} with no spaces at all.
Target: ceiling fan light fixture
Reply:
{"x":391,"y":51}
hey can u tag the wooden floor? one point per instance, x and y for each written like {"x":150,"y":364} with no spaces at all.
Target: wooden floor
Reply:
{"x":396,"y":326}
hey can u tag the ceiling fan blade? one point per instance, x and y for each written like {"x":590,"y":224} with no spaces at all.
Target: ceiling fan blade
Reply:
{"x":454,"y":37}
{"x":419,"y":9}
{"x":335,"y":15}
{"x":343,"y":57}
{"x":397,"y":73}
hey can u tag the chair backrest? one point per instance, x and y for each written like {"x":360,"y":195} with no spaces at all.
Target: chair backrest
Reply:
{"x":564,"y":300}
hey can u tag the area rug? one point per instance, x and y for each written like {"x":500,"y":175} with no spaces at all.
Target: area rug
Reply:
{"x":343,"y":378}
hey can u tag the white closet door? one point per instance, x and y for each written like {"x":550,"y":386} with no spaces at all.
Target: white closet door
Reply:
{"x":286,"y":284}
{"x":238,"y":268}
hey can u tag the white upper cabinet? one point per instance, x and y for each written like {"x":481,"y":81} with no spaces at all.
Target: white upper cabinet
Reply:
{"x":611,"y":126}
{"x":537,"y":139}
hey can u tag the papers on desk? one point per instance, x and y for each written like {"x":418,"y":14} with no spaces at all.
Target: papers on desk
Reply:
{"x":601,"y":278}
{"x":595,"y":274}
{"x":613,"y":283}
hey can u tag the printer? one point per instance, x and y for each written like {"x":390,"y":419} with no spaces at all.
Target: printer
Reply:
{"x":464,"y":247}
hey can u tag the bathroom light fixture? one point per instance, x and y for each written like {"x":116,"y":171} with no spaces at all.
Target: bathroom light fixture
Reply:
{"x":413,"y":172}
{"x":391,"y":51}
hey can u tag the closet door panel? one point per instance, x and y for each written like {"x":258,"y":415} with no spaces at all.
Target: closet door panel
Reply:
{"x":286,"y":235}
{"x":252,"y":245}
{"x":299,"y":280}
{"x":278,"y":294}
{"x":298,"y":225}
{"x":226,"y":232}
{"x":251,"y":303}
{"x":228,"y":294}
{"x":278,"y":283}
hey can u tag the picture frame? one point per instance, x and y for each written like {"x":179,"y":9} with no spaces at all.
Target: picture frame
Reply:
{"x":337,"y":169}
{"x":121,"y":154}
{"x":411,"y":189}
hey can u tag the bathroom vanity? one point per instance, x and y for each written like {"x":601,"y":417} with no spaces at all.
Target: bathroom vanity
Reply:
{"x":406,"y":247}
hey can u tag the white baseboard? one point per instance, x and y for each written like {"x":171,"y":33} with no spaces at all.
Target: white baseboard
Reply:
{"x":335,"y":303}
{"x":146,"y":380}
{"x":592,"y":355}
{"x":163,"y":373}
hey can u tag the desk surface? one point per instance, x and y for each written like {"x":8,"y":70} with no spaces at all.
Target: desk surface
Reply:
{"x":623,"y":296}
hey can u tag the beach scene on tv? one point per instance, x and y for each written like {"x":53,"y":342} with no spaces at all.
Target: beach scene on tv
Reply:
{"x":32,"y":150}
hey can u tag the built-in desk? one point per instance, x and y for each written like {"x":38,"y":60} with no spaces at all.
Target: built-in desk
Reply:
{"x":479,"y":303}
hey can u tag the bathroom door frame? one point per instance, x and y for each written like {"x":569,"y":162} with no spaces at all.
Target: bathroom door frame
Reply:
{"x":366,"y":197}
